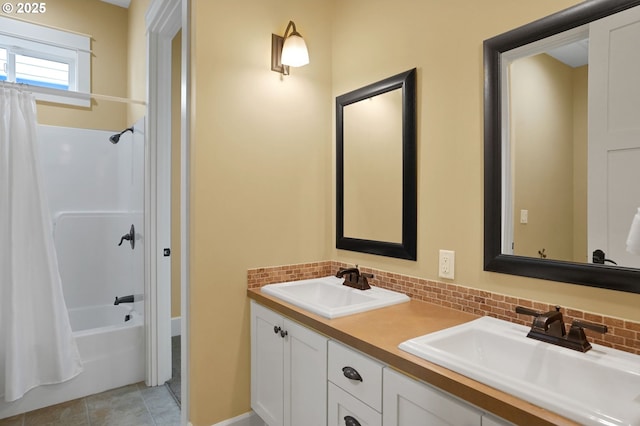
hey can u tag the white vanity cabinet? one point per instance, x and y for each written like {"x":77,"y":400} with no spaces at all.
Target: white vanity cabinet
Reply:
{"x":288,"y":370}
{"x":407,"y":402}
{"x":355,"y":388}
{"x":300,"y":377}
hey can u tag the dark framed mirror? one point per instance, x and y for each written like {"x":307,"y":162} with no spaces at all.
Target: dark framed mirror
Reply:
{"x":376,"y":180}
{"x":501,"y":213}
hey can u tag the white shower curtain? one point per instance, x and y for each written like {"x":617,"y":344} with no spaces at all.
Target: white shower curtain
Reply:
{"x":37,"y":346}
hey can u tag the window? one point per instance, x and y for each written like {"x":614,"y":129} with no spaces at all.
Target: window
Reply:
{"x":42,"y":72}
{"x":45,"y":59}
{"x":3,"y":64}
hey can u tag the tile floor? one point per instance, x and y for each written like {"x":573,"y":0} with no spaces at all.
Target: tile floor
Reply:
{"x":133,"y":405}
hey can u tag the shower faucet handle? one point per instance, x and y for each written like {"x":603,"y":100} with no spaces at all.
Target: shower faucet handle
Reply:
{"x":131,"y":237}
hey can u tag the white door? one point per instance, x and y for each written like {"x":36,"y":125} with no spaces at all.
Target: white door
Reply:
{"x":614,"y":134}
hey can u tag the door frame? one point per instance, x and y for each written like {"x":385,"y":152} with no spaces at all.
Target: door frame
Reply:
{"x":164,"y":19}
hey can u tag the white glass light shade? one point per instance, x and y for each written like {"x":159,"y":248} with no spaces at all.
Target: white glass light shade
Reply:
{"x":633,"y":240}
{"x":294,"y":51}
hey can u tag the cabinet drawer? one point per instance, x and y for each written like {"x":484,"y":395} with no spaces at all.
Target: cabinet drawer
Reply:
{"x":346,"y":410}
{"x":369,"y":389}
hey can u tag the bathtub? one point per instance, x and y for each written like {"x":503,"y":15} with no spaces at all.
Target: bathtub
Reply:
{"x":112,"y":352}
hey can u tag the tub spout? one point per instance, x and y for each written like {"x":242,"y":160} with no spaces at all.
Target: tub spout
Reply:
{"x":123,"y":299}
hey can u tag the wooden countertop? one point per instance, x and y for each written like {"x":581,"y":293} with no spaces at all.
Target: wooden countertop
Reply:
{"x":378,"y":334}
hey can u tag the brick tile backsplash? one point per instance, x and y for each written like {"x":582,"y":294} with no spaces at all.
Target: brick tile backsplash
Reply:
{"x":256,"y":278}
{"x":623,"y":334}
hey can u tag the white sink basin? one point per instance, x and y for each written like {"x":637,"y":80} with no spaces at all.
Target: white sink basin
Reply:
{"x":328,"y":297}
{"x":599,"y":387}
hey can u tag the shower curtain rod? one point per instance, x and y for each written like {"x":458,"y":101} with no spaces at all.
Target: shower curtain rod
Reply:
{"x":110,"y":98}
{"x":71,"y":93}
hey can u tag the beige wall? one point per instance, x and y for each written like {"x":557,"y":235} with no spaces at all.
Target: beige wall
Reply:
{"x":118,"y":61}
{"x":450,"y":138}
{"x":262,"y":165}
{"x":542,"y":141}
{"x":372,"y":134}
{"x":260,"y":178}
{"x":176,"y":53}
{"x":107,"y":26}
{"x":136,"y":59}
{"x":450,"y":130}
{"x":580,"y":145}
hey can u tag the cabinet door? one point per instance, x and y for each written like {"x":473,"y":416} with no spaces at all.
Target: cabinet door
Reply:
{"x":267,"y":368}
{"x":407,"y":402}
{"x":305,"y":376}
{"x":347,"y":410}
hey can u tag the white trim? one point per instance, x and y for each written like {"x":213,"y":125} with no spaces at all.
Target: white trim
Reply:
{"x":163,"y":20}
{"x":80,"y":96}
{"x":246,"y":419}
{"x":157,"y":193}
{"x":176,"y":326}
{"x":69,"y":47}
{"x":163,"y":17}
{"x":45,"y":35}
{"x":185,"y":201}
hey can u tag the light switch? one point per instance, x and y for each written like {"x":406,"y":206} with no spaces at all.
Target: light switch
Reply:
{"x":524,"y":216}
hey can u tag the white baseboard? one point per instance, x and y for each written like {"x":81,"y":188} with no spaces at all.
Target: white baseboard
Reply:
{"x":246,"y":419}
{"x":176,"y":325}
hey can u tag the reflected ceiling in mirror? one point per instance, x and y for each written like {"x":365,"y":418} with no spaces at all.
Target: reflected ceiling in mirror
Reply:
{"x":550,"y":181}
{"x":376,"y":198}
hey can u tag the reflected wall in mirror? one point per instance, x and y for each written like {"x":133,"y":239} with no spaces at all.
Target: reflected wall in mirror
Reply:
{"x":373,"y":129}
{"x":376,"y":168}
{"x":546,"y":110}
{"x":560,"y":173}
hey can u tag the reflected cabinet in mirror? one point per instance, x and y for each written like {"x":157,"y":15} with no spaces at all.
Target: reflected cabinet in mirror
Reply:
{"x":562,"y":147}
{"x":376,"y":168}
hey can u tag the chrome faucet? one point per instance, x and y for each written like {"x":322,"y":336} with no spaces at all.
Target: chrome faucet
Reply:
{"x":354,"y":278}
{"x":549,"y":327}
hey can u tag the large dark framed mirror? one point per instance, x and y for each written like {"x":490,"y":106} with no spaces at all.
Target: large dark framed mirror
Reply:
{"x":595,"y":230}
{"x":376,"y":182}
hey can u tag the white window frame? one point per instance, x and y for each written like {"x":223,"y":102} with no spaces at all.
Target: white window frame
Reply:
{"x":49,"y":43}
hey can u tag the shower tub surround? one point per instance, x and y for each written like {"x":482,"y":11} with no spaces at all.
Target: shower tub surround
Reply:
{"x":94,"y":189}
{"x":623,"y":334}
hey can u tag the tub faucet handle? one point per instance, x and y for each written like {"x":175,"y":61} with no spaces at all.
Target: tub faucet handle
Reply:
{"x":131,"y":237}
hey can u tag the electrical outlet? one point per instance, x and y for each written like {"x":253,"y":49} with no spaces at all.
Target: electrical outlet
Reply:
{"x":446,"y":264}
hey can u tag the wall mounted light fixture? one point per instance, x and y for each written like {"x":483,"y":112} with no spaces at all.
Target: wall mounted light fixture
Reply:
{"x":288,"y":51}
